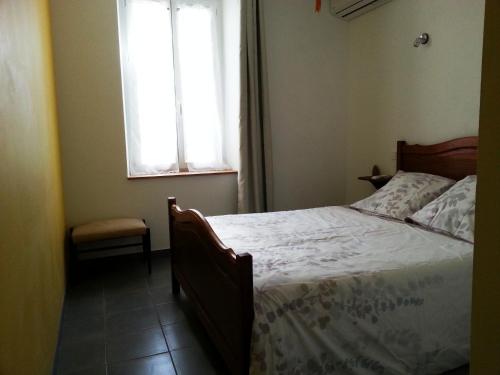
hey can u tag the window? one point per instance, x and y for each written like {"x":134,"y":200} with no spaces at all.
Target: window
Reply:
{"x":171,"y":76}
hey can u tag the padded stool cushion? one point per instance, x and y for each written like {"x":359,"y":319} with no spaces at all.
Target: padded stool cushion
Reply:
{"x":108,"y":229}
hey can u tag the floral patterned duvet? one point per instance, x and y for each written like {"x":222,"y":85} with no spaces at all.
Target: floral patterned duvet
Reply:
{"x":341,"y":292}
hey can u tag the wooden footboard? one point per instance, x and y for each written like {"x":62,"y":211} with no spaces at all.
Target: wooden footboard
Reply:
{"x":218,"y":282}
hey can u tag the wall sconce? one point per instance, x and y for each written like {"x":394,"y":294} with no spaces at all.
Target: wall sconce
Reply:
{"x":421,"y":39}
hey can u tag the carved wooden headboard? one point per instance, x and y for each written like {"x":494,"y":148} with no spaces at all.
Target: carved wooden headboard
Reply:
{"x":453,"y":159}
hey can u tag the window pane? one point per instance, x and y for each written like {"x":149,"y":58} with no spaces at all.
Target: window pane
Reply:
{"x":199,"y":84}
{"x":146,"y":42}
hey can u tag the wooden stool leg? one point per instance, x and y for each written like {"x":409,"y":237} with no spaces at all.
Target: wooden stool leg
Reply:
{"x":176,"y":287}
{"x":73,"y":273}
{"x":146,"y":246}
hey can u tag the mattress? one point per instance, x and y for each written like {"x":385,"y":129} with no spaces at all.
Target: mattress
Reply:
{"x":337,"y":291}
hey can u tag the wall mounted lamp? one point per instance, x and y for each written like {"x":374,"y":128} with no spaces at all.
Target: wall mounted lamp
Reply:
{"x":421,"y":39}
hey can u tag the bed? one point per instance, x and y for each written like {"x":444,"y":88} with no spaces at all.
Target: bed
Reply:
{"x":330,"y":290}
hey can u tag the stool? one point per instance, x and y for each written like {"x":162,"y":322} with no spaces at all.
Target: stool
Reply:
{"x":107,"y":230}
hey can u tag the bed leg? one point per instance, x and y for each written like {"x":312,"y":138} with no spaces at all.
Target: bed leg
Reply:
{"x":176,"y":288}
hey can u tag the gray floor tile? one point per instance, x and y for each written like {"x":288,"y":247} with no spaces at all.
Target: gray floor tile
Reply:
{"x":161,"y":263}
{"x":135,"y":345}
{"x":161,"y":295}
{"x":180,"y":335}
{"x":115,"y":292}
{"x":95,"y":370}
{"x":159,"y":280}
{"x":78,"y":308}
{"x":193,"y":361}
{"x":82,"y":330}
{"x":124,"y":284}
{"x":127,"y":301}
{"x":170,"y":313}
{"x":137,"y":270}
{"x":84,"y":287}
{"x":160,"y":364}
{"x":82,"y":355}
{"x":131,"y":321}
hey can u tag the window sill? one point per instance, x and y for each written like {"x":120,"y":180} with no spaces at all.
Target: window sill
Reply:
{"x":182,"y":174}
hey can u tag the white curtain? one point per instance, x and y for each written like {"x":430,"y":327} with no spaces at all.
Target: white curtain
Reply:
{"x":255,"y":172}
{"x":172,"y":85}
{"x":197,"y":28}
{"x":148,"y":86}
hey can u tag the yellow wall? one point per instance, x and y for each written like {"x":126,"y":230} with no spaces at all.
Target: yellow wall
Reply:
{"x":486,"y":288}
{"x":31,"y":219}
{"x":423,"y":95}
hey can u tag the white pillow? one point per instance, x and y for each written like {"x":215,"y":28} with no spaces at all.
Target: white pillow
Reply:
{"x":404,"y":194}
{"x":453,"y":212}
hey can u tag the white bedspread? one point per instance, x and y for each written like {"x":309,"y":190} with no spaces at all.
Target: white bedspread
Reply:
{"x":340,"y":292}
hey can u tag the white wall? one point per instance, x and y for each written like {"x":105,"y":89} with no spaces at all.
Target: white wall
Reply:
{"x":87,"y":66}
{"x":423,"y":95}
{"x":307,"y":63}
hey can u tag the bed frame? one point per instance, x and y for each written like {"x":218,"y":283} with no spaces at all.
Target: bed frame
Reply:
{"x":219,"y":283}
{"x":453,"y":159}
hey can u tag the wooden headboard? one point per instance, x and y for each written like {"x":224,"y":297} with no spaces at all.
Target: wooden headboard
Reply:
{"x":453,"y":159}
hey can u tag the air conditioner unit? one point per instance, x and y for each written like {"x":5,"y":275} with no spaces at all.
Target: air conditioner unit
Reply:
{"x":349,"y":9}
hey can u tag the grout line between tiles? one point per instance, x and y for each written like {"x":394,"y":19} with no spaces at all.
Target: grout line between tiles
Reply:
{"x":166,"y":341}
{"x":139,"y":358}
{"x":105,"y":331}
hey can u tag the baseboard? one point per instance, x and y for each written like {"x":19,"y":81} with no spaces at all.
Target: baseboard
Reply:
{"x":122,"y":253}
{"x":160,"y":252}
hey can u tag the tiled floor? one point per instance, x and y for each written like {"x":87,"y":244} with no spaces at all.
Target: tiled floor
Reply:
{"x":117,"y":320}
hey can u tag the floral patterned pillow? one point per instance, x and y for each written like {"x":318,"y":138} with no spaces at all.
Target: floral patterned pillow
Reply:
{"x":453,"y":212}
{"x":404,"y":194}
